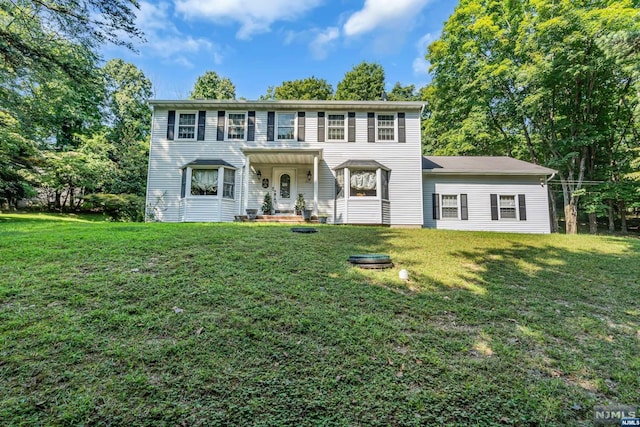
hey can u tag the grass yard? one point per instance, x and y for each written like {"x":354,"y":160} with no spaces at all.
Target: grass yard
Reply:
{"x":236,"y":324}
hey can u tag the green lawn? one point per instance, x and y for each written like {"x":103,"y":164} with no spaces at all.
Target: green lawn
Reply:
{"x":237,"y":324}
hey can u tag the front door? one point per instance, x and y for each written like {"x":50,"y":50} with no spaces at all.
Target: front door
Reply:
{"x":286,"y":189}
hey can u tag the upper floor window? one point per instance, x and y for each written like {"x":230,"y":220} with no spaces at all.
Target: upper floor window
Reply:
{"x":286,"y":126}
{"x":236,"y":125}
{"x":386,"y":127}
{"x":335,"y":127}
{"x":186,"y":125}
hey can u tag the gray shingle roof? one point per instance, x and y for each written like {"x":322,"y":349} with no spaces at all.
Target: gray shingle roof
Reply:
{"x":481,"y":165}
{"x":366,"y":164}
{"x":209,"y":162}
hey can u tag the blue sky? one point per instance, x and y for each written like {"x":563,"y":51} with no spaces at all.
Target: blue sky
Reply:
{"x":261,"y":43}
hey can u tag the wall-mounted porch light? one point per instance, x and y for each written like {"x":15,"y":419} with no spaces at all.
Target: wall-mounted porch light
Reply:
{"x":259,"y":174}
{"x":309,"y":176}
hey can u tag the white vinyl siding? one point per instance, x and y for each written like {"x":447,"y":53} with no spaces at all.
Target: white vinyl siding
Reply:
{"x":478,"y":190}
{"x":166,"y":160}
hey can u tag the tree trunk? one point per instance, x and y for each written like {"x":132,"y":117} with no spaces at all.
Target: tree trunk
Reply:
{"x":554,"y":212}
{"x":593,"y":223}
{"x":623,"y":217}
{"x":58,"y":201}
{"x":571,"y":217}
{"x":612,"y":217}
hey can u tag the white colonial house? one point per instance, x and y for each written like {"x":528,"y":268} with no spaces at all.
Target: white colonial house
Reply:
{"x":355,"y":162}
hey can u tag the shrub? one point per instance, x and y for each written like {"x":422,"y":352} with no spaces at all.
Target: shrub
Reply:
{"x":120,"y":207}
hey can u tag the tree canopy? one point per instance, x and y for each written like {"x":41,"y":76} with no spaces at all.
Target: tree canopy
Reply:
{"x":311,"y":88}
{"x":532,"y":80}
{"x":365,"y":82}
{"x":212,"y":86}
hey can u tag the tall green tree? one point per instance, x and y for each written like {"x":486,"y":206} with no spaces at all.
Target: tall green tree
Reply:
{"x":365,"y":82}
{"x":403,"y":93}
{"x":311,"y":88}
{"x":532,"y":80}
{"x":212,"y":86}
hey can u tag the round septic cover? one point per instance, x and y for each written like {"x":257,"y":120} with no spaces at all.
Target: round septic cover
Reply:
{"x":304,"y":230}
{"x":370,"y":258}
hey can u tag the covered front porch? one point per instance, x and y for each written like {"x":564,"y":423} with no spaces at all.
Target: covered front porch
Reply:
{"x":283,"y":174}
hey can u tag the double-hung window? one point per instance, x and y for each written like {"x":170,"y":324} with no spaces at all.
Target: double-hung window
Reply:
{"x":186,"y":125}
{"x":386,"y":127}
{"x":335,"y":127}
{"x":449,"y":206}
{"x":236,"y":123}
{"x":229,"y":183}
{"x":286,"y":126}
{"x":507,"y":207}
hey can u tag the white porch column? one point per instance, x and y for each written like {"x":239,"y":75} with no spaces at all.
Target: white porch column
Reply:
{"x":245,"y":189}
{"x":315,"y":184}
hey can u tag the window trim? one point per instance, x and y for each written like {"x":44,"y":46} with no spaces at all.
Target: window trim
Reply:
{"x":395,"y":127}
{"x":227,"y":125}
{"x":295,"y":126}
{"x":177,"y":125}
{"x":345,"y":126}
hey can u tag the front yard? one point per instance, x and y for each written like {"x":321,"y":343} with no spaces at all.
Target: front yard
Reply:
{"x":236,"y":324}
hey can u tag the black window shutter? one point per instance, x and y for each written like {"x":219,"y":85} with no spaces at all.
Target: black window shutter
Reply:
{"x":464,"y":211}
{"x":371,"y":127}
{"x":184,"y":183}
{"x":522,"y":205}
{"x":435,"y":201}
{"x":320,"y":127}
{"x":251,"y":126}
{"x":494,"y":207}
{"x":351,"y":127}
{"x":171,"y":124}
{"x":402,"y":137}
{"x":301,"y":120}
{"x":202,"y":118}
{"x":271,"y":122}
{"x":220,"y":135}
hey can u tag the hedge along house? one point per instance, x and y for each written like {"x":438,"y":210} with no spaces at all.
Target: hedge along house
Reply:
{"x":358,"y":162}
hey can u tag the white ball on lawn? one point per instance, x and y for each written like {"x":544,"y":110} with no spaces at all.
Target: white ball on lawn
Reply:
{"x":404,"y":274}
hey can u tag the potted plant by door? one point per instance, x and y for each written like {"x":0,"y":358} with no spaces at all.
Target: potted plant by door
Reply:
{"x":267,"y":204}
{"x":300,"y":204}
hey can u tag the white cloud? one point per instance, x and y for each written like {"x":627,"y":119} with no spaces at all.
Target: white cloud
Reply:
{"x":322,"y":42}
{"x":166,"y":41}
{"x":420,"y":64}
{"x":397,"y":14}
{"x":254,"y":16}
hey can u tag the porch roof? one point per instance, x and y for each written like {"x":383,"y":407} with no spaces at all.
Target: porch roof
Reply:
{"x":367,"y":164}
{"x":209,"y":162}
{"x":287,"y":156}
